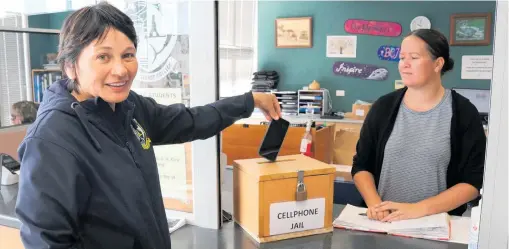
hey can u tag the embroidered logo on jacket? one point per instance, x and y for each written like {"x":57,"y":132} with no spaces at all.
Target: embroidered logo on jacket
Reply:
{"x":141,"y":134}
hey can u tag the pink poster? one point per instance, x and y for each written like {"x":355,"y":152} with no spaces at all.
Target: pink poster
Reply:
{"x":367,"y":27}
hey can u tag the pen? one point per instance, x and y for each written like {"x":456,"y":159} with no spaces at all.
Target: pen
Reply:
{"x":363,"y":214}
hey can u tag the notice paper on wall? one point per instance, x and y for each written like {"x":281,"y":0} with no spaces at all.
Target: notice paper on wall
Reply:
{"x":478,"y":67}
{"x":171,"y":162}
{"x":296,"y":216}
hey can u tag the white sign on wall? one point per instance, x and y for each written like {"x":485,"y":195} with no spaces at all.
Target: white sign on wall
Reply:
{"x":479,"y":67}
{"x":296,"y":216}
{"x":170,"y":159}
{"x":171,"y":162}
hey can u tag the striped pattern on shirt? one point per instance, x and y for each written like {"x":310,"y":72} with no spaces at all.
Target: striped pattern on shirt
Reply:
{"x":417,"y":154}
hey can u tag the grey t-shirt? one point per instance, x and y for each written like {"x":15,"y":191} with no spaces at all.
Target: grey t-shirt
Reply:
{"x":417,"y":154}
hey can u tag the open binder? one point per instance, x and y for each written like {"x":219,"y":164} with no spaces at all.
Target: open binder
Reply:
{"x":433,"y":227}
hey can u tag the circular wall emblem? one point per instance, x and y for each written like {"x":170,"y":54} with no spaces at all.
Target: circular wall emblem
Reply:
{"x":155,"y":44}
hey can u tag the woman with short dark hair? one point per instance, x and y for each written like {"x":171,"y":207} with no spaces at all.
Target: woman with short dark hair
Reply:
{"x":89,"y":177}
{"x":421,"y":148}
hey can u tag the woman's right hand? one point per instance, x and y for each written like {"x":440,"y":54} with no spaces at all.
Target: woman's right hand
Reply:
{"x":373,"y":215}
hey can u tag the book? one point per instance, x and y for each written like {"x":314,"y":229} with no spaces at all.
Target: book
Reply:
{"x":432,"y":227}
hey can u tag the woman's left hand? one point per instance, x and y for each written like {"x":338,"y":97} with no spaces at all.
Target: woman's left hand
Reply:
{"x":269,"y":104}
{"x":401,"y":211}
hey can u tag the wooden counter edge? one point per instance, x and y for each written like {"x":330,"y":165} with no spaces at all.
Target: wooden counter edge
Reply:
{"x":10,"y":238}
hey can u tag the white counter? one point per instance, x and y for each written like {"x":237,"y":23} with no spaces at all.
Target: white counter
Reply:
{"x":256,"y":119}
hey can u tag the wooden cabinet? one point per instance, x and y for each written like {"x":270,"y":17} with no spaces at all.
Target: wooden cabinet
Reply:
{"x":242,"y":141}
{"x":10,"y":238}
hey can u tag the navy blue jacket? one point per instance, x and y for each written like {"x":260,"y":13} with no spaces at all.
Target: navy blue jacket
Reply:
{"x":89,"y":177}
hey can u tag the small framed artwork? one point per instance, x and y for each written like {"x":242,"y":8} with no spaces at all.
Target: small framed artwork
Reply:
{"x":295,"y":32}
{"x":472,"y":29}
{"x":341,"y":46}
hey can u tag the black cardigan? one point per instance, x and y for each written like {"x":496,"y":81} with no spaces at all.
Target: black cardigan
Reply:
{"x":468,"y":141}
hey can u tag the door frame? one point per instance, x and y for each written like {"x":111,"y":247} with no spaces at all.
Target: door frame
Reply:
{"x":203,"y":71}
{"x":493,"y":224}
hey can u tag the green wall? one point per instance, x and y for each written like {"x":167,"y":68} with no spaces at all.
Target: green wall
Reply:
{"x":299,"y":67}
{"x":41,"y":44}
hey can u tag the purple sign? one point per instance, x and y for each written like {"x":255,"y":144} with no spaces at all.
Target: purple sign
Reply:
{"x":388,"y":53}
{"x":357,"y":70}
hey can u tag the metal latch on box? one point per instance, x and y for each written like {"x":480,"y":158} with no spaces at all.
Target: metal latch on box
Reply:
{"x":301,"y":194}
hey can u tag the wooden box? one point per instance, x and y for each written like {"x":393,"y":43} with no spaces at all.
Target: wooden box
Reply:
{"x":265,"y":197}
{"x":242,"y":141}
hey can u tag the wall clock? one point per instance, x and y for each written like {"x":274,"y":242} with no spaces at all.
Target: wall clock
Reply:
{"x":420,"y":22}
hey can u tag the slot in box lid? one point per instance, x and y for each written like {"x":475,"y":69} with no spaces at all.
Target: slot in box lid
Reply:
{"x":284,"y":167}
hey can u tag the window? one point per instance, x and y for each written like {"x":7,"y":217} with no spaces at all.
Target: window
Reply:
{"x":237,"y":42}
{"x":12,"y":67}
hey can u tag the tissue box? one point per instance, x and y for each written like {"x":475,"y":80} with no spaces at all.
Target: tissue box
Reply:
{"x":267,"y":204}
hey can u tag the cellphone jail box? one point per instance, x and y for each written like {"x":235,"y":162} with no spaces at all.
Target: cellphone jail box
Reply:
{"x":289,"y":198}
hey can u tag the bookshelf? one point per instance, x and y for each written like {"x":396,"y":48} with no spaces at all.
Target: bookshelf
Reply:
{"x":42,"y":79}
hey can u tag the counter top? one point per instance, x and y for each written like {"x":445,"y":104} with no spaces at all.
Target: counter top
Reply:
{"x":233,"y":236}
{"x":256,"y":119}
{"x":8,"y":196}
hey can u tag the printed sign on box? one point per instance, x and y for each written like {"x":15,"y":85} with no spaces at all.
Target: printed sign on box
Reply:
{"x":388,"y":53}
{"x":371,"y":27}
{"x":296,"y":216}
{"x":478,"y":67}
{"x":357,"y":70}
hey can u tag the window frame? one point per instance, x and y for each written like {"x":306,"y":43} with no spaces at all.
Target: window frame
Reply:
{"x":234,"y":52}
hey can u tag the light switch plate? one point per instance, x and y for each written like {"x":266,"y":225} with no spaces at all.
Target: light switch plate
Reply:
{"x":340,"y":92}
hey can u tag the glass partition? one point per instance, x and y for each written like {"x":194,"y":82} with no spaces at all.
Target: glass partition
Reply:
{"x":167,"y":57}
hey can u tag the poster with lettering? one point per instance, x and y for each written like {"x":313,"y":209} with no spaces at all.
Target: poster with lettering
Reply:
{"x":388,"y":53}
{"x":362,"y":71}
{"x":296,"y":216}
{"x":171,"y":159}
{"x":371,"y":27}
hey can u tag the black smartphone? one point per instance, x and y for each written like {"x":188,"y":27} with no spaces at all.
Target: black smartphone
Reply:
{"x":273,"y":139}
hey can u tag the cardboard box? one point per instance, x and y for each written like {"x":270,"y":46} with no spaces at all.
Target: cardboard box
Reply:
{"x":360,"y":111}
{"x":345,"y":146}
{"x":266,"y":201}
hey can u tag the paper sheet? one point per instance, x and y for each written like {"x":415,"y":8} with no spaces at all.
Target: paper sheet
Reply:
{"x":460,"y":229}
{"x":431,"y":227}
{"x":171,"y":162}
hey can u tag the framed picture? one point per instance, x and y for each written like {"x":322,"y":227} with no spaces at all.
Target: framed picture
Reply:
{"x":471,"y":29}
{"x":294,"y":32}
